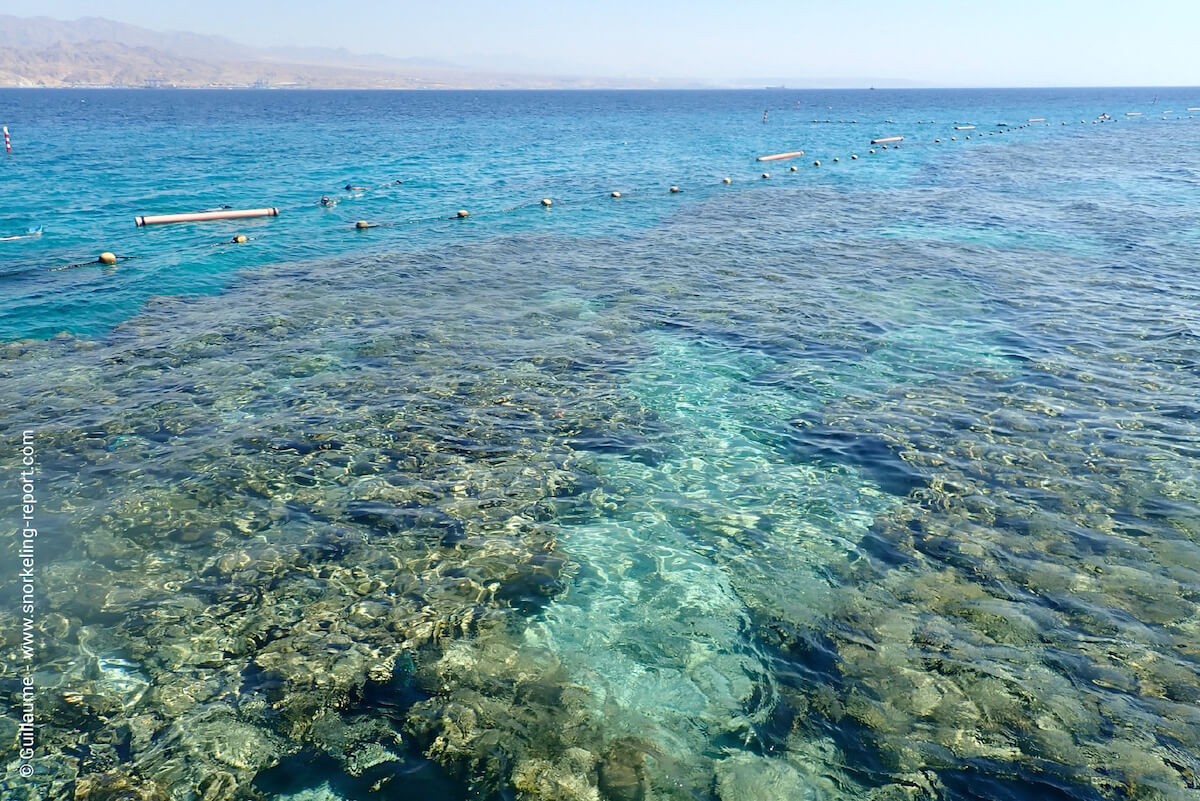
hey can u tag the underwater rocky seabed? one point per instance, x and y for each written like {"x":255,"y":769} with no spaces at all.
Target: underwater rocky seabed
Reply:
{"x":802,"y":509}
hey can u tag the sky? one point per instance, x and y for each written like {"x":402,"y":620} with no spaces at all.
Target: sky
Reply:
{"x":927,"y":42}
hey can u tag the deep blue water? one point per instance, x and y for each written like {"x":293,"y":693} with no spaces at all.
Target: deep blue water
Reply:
{"x":873,"y":479}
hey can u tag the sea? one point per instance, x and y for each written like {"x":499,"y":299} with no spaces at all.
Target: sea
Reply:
{"x":566,"y":452}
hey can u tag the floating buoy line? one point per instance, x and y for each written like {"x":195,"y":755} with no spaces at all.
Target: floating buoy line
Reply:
{"x":109,"y":259}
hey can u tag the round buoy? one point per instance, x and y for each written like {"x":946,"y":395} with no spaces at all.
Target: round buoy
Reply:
{"x":885,"y":147}
{"x":792,"y":168}
{"x":954,"y":139}
{"x":766,"y":175}
{"x":241,"y":239}
{"x":871,"y":151}
{"x":547,"y":201}
{"x":937,"y":141}
{"x":463,"y":213}
{"x":854,"y":157}
{"x":816,"y":164}
{"x":616,"y":194}
{"x":107,"y":258}
{"x":968,"y":136}
{"x":835,"y":160}
{"x":727,"y":180}
{"x":362,"y":224}
{"x":674,"y":188}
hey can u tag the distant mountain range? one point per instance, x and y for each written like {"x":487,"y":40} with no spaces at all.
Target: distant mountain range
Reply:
{"x":98,"y":52}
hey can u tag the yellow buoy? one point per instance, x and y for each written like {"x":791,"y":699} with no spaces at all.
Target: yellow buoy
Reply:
{"x":616,"y":194}
{"x":362,"y":224}
{"x":547,"y":201}
{"x":462,"y":213}
{"x":107,"y":258}
{"x":241,"y":239}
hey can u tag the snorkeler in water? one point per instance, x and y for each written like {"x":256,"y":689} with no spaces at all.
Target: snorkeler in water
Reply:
{"x":29,"y":234}
{"x":327,"y":202}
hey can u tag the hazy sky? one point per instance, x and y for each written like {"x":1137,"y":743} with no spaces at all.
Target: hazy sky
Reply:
{"x":932,"y":42}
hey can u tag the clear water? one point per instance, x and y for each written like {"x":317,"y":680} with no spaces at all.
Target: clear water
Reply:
{"x":872,"y":480}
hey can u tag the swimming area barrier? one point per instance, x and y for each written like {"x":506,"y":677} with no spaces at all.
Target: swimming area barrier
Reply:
{"x":462,"y":215}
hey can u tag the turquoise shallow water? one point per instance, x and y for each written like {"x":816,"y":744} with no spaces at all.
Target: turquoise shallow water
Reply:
{"x":873,"y":480}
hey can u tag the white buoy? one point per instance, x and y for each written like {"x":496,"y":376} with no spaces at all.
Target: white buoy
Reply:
{"x":836,"y":159}
{"x":727,"y":180}
{"x":361,"y":224}
{"x":200,"y":216}
{"x":792,"y":168}
{"x":107,"y":258}
{"x":674,"y":188}
{"x":616,"y":194}
{"x":547,"y":201}
{"x":871,"y":151}
{"x":854,"y":157}
{"x":816,"y":164}
{"x":766,"y":175}
{"x":462,"y":213}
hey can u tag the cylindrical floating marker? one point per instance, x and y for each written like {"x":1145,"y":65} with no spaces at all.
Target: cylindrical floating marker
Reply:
{"x":1037,"y":119}
{"x":778,"y":156}
{"x":7,"y":143}
{"x":887,"y":139}
{"x":547,"y":201}
{"x":200,"y":216}
{"x":107,"y":258}
{"x":1133,"y":113}
{"x":462,"y":214}
{"x":964,"y":127}
{"x":361,"y":224}
{"x":241,"y":239}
